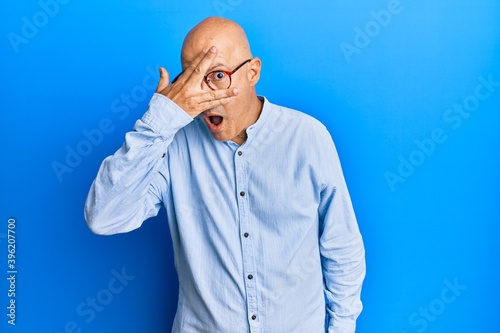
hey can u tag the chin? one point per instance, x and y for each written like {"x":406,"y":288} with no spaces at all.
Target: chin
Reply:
{"x":220,"y":137}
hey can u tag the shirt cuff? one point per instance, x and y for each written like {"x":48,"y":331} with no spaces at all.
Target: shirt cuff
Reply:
{"x":164,"y":116}
{"x":341,"y":327}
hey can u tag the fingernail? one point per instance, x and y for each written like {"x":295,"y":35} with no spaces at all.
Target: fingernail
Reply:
{"x":205,"y":50}
{"x":236,"y":90}
{"x":213,"y":49}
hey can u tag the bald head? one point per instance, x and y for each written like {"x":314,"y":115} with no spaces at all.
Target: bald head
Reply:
{"x":228,"y":36}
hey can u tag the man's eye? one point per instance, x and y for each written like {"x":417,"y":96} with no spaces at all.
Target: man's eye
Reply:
{"x":219,"y":76}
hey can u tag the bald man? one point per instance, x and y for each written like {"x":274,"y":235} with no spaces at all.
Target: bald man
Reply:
{"x":264,"y":234}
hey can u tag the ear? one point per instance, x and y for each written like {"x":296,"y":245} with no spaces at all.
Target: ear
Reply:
{"x":254,"y":71}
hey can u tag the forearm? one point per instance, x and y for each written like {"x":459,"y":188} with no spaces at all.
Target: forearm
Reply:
{"x":125,"y":191}
{"x":343,"y":261}
{"x":344,"y":277}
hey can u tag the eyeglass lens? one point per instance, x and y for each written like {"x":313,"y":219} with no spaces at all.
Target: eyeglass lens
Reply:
{"x":218,"y":80}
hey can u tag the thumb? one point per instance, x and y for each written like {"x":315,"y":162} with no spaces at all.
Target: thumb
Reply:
{"x":164,"y":77}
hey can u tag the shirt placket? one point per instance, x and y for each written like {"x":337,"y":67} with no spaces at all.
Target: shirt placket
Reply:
{"x":246,"y":237}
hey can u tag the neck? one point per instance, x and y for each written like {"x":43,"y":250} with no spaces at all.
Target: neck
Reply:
{"x":254,"y":110}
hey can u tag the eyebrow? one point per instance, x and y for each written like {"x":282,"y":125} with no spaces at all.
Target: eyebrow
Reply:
{"x":208,"y":71}
{"x":215,"y":66}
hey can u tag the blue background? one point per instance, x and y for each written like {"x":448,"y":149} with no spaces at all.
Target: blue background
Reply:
{"x":434,"y":226}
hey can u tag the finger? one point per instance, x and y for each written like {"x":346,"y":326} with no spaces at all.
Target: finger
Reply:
{"x":196,"y":104}
{"x":164,"y":79}
{"x":201,"y":63}
{"x":216,"y":97}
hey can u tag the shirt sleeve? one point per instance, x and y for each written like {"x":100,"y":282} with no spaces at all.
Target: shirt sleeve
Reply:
{"x":341,"y":246}
{"x":130,"y":184}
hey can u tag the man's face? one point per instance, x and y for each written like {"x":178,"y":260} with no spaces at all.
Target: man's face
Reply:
{"x":228,"y":121}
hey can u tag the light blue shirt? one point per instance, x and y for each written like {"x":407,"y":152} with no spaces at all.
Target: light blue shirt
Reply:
{"x":264,"y":234}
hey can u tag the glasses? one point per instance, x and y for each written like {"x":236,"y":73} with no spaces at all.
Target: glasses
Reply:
{"x":218,"y":79}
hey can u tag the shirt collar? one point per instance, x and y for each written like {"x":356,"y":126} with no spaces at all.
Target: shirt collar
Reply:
{"x":253,"y":129}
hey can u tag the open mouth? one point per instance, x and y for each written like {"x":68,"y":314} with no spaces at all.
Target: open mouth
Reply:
{"x":214,"y":123}
{"x":216,"y":120}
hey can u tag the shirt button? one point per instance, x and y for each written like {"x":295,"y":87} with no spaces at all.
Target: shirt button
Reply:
{"x":240,"y":153}
{"x":245,"y":234}
{"x":162,"y":156}
{"x":242,"y":193}
{"x":250,"y":276}
{"x":254,"y":317}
